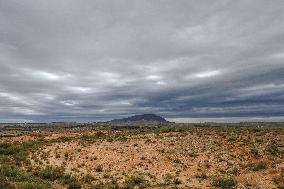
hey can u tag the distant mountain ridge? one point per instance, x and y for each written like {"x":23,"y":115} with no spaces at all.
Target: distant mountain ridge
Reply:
{"x":141,"y":118}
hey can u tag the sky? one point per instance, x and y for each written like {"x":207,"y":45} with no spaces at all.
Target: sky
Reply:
{"x":98,"y":60}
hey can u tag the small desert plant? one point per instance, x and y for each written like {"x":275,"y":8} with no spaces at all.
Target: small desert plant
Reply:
{"x":177,"y":161}
{"x":224,"y":182}
{"x":259,"y":166}
{"x":14,"y":177}
{"x":136,"y":180}
{"x":57,"y":155}
{"x":254,"y":152}
{"x":51,"y":173}
{"x":74,"y":185}
{"x":168,"y":179}
{"x":64,"y":139}
{"x":66,"y":155}
{"x":201,"y":176}
{"x":31,"y":185}
{"x":279,"y":182}
{"x":99,"y":168}
{"x":177,"y":181}
{"x":88,"y":178}
{"x":100,"y":135}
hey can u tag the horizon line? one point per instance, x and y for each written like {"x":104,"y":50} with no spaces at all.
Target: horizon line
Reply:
{"x":276,"y":119}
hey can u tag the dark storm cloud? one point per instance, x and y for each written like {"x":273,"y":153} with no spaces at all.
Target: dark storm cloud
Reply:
{"x":96,"y":60}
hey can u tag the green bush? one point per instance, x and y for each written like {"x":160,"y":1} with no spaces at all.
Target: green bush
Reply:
{"x":225,"y":183}
{"x":52,"y":173}
{"x":18,"y":151}
{"x":135,"y":181}
{"x":9,"y":171}
{"x":14,"y":173}
{"x":9,"y":148}
{"x":20,"y":178}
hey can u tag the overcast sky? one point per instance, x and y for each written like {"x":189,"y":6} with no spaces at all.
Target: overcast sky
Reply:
{"x":98,"y":60}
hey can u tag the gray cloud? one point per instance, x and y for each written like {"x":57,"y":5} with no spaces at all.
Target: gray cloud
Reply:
{"x":96,"y":60}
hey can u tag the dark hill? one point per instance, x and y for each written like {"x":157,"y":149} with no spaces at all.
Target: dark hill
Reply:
{"x":141,"y":118}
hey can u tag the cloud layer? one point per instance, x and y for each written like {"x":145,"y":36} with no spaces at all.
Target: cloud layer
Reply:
{"x":96,"y":60}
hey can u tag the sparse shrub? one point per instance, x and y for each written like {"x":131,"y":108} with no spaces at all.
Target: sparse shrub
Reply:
{"x":224,"y":183}
{"x":207,"y":165}
{"x":31,"y":185}
{"x":279,"y":181}
{"x":63,"y":139}
{"x":177,"y":161}
{"x":14,"y":173}
{"x":57,"y":155}
{"x":9,"y":175}
{"x":168,"y":179}
{"x":122,"y":138}
{"x":100,"y":135}
{"x":254,"y":152}
{"x":259,"y":166}
{"x":232,"y":139}
{"x":201,"y":176}
{"x":66,"y":155}
{"x":177,"y":181}
{"x":110,"y":185}
{"x":135,"y":181}
{"x":162,"y":150}
{"x":98,"y":186}
{"x":110,"y":139}
{"x":235,"y":171}
{"x":99,"y":168}
{"x":51,"y":173}
{"x":74,"y":185}
{"x":19,"y":151}
{"x":88,"y":178}
{"x":9,"y":171}
{"x":9,"y":148}
{"x":273,"y":149}
{"x":67,"y":179}
{"x":106,"y":176}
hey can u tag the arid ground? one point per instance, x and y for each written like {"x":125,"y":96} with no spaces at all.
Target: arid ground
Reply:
{"x":156,"y":157}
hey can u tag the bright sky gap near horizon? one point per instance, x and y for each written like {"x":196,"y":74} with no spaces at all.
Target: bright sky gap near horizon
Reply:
{"x":98,"y":60}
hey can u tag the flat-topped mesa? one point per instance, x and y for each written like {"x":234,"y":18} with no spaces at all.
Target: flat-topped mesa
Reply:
{"x":145,"y":118}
